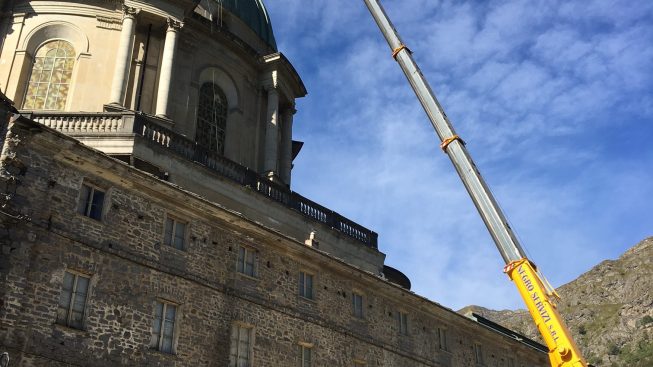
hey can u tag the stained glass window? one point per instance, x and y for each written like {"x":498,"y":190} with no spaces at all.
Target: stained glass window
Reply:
{"x":50,"y":79}
{"x":211,"y":118}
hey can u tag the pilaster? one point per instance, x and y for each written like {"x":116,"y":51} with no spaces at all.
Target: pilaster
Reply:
{"x":11,"y":63}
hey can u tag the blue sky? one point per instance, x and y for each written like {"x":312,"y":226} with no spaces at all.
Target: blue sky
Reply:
{"x":554,"y":100}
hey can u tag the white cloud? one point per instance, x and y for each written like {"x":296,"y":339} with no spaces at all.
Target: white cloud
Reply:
{"x":554,"y":99}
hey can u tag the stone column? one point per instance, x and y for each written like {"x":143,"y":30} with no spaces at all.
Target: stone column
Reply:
{"x":272,"y":134}
{"x":124,"y":56}
{"x":167,"y":62}
{"x":285,"y":151}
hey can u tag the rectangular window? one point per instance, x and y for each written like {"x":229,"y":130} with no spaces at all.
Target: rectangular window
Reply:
{"x":511,"y":362}
{"x":402,"y":318}
{"x":442,"y":339}
{"x":72,"y":301}
{"x":306,"y":285}
{"x":246,"y":258}
{"x":91,"y":201}
{"x":175,"y":233}
{"x":305,"y":356}
{"x":357,"y":301}
{"x":163,"y":327}
{"x":241,"y":346}
{"x":478,"y":352}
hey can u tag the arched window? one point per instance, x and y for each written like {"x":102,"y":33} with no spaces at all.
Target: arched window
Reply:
{"x":49,"y":81}
{"x":211,"y":118}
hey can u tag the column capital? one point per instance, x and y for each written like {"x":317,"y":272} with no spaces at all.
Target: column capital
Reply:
{"x":130,"y":12}
{"x":174,"y":25}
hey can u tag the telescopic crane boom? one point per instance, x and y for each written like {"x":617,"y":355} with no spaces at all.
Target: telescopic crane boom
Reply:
{"x":537,"y":294}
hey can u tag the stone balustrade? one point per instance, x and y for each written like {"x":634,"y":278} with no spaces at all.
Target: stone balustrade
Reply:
{"x":83,"y":123}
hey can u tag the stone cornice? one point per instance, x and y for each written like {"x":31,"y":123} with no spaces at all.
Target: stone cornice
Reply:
{"x":278,"y":62}
{"x":76,"y":8}
{"x":160,"y":8}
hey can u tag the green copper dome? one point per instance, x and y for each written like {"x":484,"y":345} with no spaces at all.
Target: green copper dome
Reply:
{"x":254,"y":14}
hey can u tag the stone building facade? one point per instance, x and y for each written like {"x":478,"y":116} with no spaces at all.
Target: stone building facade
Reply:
{"x":159,"y":229}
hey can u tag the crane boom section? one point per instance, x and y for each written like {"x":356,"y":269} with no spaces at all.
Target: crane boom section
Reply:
{"x":494,"y":219}
{"x":563,"y":352}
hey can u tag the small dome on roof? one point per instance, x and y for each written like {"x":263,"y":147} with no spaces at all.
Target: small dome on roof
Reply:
{"x":254,"y":14}
{"x":395,"y":276}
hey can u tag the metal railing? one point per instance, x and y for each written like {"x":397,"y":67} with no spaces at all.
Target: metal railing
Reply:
{"x":129,"y":122}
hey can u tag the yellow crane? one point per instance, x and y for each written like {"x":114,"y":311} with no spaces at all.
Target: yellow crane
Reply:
{"x":539,"y":296}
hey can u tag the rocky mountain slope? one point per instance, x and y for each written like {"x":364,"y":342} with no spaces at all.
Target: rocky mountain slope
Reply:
{"x":609,"y":310}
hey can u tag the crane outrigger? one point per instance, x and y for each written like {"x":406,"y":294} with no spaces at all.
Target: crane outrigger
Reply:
{"x":539,"y":296}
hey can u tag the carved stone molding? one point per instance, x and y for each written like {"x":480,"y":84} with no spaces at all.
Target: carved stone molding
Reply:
{"x":109,"y":22}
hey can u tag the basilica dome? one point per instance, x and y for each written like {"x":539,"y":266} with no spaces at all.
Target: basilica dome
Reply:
{"x":250,"y":12}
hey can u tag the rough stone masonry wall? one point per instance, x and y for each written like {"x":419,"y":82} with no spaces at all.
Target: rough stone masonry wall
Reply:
{"x":42,"y":236}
